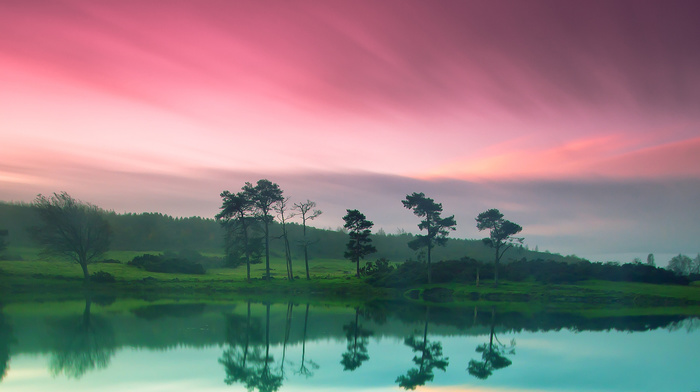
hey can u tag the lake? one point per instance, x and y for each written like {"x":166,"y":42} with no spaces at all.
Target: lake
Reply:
{"x":135,"y":345}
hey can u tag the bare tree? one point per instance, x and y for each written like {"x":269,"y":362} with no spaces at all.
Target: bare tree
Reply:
{"x":281,"y":209}
{"x":71,"y":229}
{"x":307,"y":211}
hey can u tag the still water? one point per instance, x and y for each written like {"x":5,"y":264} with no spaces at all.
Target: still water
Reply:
{"x":166,"y":346}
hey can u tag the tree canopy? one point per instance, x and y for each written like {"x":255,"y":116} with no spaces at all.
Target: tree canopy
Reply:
{"x":360,"y":243}
{"x":436,"y":227}
{"x":502,"y":234}
{"x":264,"y":195}
{"x":236,"y":217}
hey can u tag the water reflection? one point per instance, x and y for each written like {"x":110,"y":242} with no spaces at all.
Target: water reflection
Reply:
{"x":81,"y":344}
{"x":304,"y":369}
{"x":430,"y":358}
{"x":358,"y":338}
{"x":269,"y":347}
{"x":6,"y":338}
{"x":493,"y":353}
{"x":243,"y":354}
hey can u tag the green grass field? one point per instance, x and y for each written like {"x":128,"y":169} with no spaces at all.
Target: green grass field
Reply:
{"x":332,"y":279}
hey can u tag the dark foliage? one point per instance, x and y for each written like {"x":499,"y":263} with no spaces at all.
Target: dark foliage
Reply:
{"x":164,"y":263}
{"x":378,"y":268}
{"x":3,"y":241}
{"x":412,"y":273}
{"x":547,"y":271}
{"x":360,"y":243}
{"x":148,"y":232}
{"x":102,"y":277}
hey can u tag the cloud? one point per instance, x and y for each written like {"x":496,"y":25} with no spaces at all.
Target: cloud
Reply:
{"x":396,"y":56}
{"x":608,"y":156}
{"x":577,"y":119}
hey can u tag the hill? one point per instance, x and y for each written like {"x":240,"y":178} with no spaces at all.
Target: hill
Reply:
{"x":159,"y":232}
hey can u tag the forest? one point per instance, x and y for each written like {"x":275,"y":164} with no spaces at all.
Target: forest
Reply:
{"x":158,"y":232}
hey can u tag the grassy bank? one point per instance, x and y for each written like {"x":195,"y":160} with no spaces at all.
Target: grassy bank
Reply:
{"x":332,"y":280}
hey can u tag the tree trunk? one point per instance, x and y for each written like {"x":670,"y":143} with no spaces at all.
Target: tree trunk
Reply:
{"x":86,"y":275}
{"x":267,"y":250}
{"x":247,"y":251}
{"x":495,"y":268}
{"x":288,"y":255}
{"x":306,"y":252}
{"x":430,"y":275}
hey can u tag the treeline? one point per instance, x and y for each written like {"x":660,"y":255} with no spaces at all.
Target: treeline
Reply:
{"x":470,"y":271}
{"x":159,"y":232}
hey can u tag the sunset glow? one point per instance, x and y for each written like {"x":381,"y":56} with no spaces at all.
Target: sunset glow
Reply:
{"x":124,"y":102}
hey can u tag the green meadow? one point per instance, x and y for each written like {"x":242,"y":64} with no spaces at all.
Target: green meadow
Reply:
{"x":35,"y":277}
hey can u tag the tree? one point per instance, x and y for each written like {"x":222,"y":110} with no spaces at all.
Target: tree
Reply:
{"x":281,"y":209}
{"x":436,"y":227}
{"x":681,"y":265}
{"x":236,"y":218}
{"x":72,"y":229}
{"x":501,"y":237}
{"x":650,"y":260}
{"x":360,"y":244}
{"x":306,"y":209}
{"x":264,"y":196}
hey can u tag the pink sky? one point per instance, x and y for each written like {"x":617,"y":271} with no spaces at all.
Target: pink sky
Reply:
{"x":127,"y":103}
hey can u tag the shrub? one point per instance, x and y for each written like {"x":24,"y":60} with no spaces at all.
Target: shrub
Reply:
{"x":163,"y":263}
{"x":102,"y":277}
{"x":379,"y":267}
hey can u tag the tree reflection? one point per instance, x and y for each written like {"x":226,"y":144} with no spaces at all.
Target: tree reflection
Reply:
{"x":82,"y":344}
{"x":357,"y":337}
{"x":265,"y":380}
{"x":303,"y":369}
{"x":287,"y":331}
{"x":493,"y":354}
{"x":248,"y":365}
{"x":6,"y":338}
{"x":241,"y":333}
{"x":430,"y":358}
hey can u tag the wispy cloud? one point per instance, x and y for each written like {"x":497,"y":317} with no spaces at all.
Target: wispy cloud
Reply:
{"x":140,"y":105}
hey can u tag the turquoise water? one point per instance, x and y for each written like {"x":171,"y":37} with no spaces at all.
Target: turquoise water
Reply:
{"x":85,"y":346}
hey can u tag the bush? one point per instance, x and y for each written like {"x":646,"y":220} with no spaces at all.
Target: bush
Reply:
{"x":102,"y":277}
{"x":163,"y":263}
{"x":380,"y":267}
{"x":409,"y":273}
